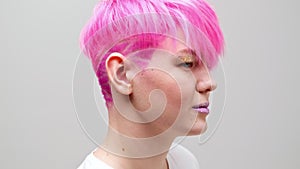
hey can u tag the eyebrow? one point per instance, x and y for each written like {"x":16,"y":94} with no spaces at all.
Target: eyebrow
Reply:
{"x":189,"y":52}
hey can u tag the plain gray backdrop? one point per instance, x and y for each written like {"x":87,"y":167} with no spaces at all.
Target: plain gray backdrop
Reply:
{"x":39,"y":48}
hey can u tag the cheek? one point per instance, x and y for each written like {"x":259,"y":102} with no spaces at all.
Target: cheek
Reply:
{"x":179,"y":94}
{"x":186,"y":84}
{"x":188,"y":93}
{"x":148,"y":80}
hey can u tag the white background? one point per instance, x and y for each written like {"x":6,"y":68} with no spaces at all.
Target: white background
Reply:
{"x":39,"y":48}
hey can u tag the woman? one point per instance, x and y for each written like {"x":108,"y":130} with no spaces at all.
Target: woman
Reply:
{"x":152,"y":59}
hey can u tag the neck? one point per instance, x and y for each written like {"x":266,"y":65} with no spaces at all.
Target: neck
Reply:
{"x":130,"y":145}
{"x":119,"y":162}
{"x":125,"y":152}
{"x":135,"y":147}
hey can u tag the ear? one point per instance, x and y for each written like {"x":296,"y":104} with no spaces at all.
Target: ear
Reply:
{"x":115,"y":68}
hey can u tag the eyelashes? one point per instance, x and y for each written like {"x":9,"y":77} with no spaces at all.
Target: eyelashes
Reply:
{"x":187,"y":64}
{"x":187,"y":61}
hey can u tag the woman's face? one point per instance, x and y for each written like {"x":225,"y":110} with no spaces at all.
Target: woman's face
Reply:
{"x":183,"y":83}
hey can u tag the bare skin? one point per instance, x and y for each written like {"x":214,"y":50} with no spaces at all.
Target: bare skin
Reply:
{"x":144,"y":145}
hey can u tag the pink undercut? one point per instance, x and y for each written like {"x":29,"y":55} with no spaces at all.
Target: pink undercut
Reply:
{"x":127,"y":26}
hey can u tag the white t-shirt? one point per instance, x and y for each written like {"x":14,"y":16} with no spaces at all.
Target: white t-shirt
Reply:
{"x":178,"y":158}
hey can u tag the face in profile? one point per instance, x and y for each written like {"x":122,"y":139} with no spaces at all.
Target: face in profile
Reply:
{"x":184,"y":83}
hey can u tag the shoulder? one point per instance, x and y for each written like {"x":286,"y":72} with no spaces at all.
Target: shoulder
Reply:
{"x":180,"y":157}
{"x":91,"y":162}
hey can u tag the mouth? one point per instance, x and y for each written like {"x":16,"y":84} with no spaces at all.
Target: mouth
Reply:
{"x":202,"y":108}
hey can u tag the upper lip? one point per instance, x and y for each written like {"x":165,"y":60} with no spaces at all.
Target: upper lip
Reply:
{"x":201,"y":105}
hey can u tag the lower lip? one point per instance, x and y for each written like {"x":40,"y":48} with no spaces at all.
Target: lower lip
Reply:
{"x":202,"y":110}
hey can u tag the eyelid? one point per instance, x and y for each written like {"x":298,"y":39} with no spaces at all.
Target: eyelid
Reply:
{"x":186,"y":58}
{"x":186,"y":62}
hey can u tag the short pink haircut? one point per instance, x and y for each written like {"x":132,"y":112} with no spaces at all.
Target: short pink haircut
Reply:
{"x":130,"y":25}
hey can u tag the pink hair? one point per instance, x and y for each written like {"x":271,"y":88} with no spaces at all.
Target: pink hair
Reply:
{"x":130,"y":25}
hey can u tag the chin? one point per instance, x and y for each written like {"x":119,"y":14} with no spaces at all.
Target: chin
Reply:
{"x":198,"y":128}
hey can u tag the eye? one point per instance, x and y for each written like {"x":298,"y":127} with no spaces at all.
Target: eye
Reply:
{"x":187,"y":64}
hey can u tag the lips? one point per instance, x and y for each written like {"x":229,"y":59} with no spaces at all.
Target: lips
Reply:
{"x":202,"y":108}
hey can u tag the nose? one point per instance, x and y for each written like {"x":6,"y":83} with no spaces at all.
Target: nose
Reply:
{"x":205,"y":82}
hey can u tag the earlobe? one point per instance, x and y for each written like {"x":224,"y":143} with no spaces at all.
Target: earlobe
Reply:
{"x":117,"y":73}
